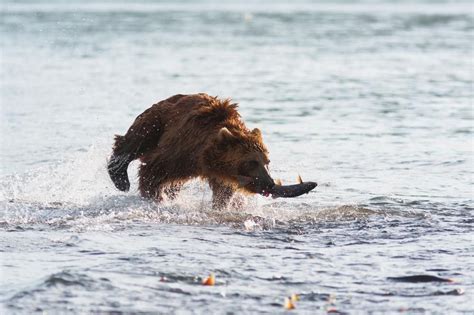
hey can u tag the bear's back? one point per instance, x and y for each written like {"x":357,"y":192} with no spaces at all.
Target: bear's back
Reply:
{"x":202,"y":110}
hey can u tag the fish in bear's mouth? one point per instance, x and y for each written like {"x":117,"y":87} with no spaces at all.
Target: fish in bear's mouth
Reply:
{"x":277,"y":190}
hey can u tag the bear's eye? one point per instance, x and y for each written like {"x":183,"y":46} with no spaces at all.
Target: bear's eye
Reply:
{"x":248,"y":167}
{"x":252,"y":165}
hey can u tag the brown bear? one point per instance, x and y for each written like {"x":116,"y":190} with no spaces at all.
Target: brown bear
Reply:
{"x":189,"y":136}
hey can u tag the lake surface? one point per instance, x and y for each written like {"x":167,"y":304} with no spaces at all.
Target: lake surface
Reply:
{"x":373,"y":100}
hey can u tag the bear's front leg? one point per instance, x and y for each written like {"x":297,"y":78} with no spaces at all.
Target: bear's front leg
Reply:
{"x":221,"y":194}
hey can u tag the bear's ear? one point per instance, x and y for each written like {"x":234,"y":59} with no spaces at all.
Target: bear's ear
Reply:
{"x":257,"y":133}
{"x":225,"y":135}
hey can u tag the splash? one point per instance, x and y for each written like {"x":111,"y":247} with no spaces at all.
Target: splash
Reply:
{"x":78,"y":194}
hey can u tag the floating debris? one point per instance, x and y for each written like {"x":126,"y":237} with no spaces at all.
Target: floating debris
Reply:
{"x":289,"y":304}
{"x":290,"y":301}
{"x":211,"y":280}
{"x":330,"y":304}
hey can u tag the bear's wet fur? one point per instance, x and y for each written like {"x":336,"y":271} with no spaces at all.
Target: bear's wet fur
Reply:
{"x":189,"y":136}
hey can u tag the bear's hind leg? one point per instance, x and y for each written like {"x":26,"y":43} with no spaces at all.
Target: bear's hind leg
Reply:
{"x":141,"y":138}
{"x":150,"y":182}
{"x":172,"y":190}
{"x":155,"y":182}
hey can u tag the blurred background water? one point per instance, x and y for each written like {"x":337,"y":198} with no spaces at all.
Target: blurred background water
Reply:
{"x":371,"y":99}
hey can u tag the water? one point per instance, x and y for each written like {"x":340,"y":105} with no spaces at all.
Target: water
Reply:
{"x":373,"y":100}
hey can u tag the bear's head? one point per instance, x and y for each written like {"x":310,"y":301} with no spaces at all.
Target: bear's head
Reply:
{"x":240,"y":158}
